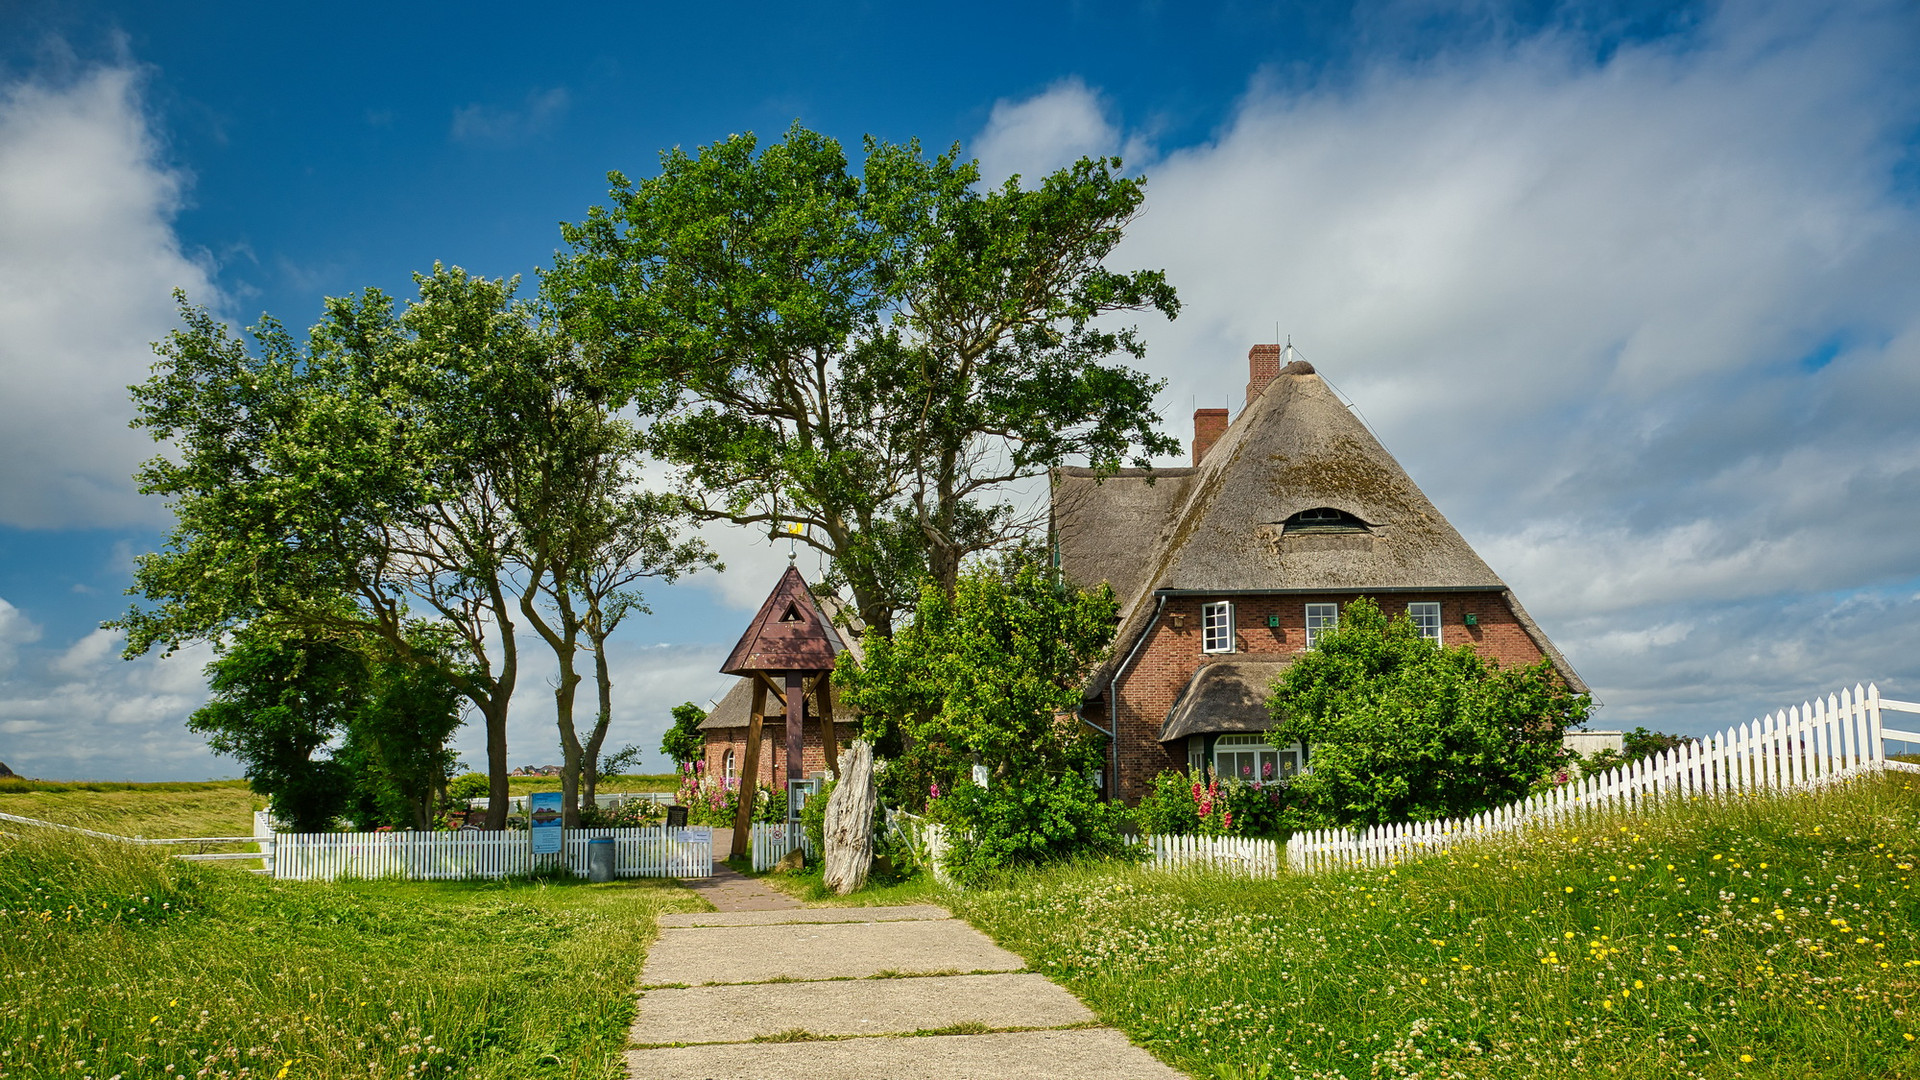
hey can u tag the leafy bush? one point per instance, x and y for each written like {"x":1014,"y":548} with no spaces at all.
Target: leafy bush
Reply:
{"x":984,"y":676}
{"x":1038,"y":821}
{"x":467,"y":787}
{"x":1401,"y":729}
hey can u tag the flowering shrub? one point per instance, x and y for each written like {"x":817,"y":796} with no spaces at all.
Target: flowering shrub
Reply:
{"x":631,"y":815}
{"x":713,"y":800}
{"x":1177,"y":804}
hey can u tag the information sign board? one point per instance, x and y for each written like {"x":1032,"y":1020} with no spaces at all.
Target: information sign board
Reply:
{"x":543,"y":817}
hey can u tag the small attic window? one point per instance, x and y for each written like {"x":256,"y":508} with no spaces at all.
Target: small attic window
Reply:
{"x":792,"y":614}
{"x":1324,"y":519}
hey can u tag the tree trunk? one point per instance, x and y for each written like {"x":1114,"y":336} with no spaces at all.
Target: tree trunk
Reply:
{"x":849,"y":821}
{"x":603,"y":678}
{"x":495,"y":710}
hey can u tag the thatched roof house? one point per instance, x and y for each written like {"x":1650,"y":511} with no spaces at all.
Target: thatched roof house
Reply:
{"x":1225,"y":570}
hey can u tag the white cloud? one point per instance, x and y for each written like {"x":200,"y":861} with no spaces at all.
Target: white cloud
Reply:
{"x":1647,"y":328}
{"x":478,"y":123}
{"x":15,"y":630}
{"x":1034,"y":137}
{"x":88,"y":258}
{"x":86,"y":714}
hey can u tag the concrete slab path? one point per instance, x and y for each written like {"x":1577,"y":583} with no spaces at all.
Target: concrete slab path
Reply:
{"x":832,"y":994}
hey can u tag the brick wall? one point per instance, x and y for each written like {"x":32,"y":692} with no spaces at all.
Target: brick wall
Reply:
{"x":1146,"y":692}
{"x":773,"y":749}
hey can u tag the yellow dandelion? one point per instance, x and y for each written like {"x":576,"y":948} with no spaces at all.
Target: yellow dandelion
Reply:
{"x":1607,"y":1004}
{"x":1569,"y":888}
{"x":1746,"y":1059}
{"x":1638,"y":985}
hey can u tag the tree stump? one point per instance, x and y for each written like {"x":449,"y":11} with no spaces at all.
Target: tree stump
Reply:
{"x":849,"y":821}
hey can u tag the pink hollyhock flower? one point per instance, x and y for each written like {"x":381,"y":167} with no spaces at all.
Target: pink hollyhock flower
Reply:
{"x":1226,"y":820}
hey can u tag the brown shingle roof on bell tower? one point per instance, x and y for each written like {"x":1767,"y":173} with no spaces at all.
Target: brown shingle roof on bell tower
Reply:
{"x":790,"y":633}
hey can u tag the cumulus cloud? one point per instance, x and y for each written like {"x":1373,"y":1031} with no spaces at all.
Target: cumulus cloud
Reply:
{"x":15,"y":630}
{"x":1646,"y":327}
{"x":88,"y":258}
{"x":83,"y":713}
{"x":479,"y":123}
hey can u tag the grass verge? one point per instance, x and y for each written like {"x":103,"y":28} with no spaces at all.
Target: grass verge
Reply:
{"x":1765,"y":937}
{"x":118,"y":961}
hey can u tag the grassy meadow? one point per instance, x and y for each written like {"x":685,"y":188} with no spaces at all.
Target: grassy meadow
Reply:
{"x":1770,"y":937}
{"x":609,"y":785}
{"x":212,"y":808}
{"x":119,"y":962}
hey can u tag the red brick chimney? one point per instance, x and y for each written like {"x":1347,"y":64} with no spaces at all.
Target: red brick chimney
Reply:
{"x":1208,"y":426}
{"x":1263,"y":366}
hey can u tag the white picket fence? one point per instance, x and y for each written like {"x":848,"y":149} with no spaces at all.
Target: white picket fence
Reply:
{"x":1229,"y":854}
{"x":771,"y":841}
{"x":1802,"y":748}
{"x":439,"y":856}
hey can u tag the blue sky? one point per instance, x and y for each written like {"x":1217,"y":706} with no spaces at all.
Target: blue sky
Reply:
{"x":1630,"y":289}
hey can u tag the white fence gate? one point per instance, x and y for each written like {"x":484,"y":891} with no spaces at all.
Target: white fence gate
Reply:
{"x":771,"y":841}
{"x":439,"y":856}
{"x":1802,"y":748}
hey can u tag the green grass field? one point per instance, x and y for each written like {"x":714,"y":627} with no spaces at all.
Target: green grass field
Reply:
{"x":214,"y":808}
{"x":609,"y":785}
{"x":1765,"y":938}
{"x":116,"y":961}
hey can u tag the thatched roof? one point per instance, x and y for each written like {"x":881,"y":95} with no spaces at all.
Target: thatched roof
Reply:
{"x":1221,"y":527}
{"x":734,"y":709}
{"x":1228,"y":695}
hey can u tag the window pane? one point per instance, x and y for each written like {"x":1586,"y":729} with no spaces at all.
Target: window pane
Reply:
{"x":1426,"y":616}
{"x":1216,"y":628}
{"x":1321,"y":617}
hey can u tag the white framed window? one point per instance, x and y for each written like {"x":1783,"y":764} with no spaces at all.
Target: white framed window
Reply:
{"x":1216,"y":628}
{"x":1426,"y":616}
{"x":1252,"y":757}
{"x":1320,"y":619}
{"x":1196,"y":754}
{"x":726,"y":765}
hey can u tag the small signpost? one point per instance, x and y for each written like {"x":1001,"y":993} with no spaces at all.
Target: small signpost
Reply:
{"x":543,"y":819}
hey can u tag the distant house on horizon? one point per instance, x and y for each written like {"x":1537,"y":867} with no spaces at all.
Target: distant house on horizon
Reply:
{"x":1228,"y":569}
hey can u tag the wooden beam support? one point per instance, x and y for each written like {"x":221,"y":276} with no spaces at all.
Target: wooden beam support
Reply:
{"x":829,"y":738}
{"x":760,"y":679}
{"x":749,"y":774}
{"x":796,"y":699}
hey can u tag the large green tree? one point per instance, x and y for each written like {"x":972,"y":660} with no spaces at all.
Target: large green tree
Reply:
{"x":874,"y":355}
{"x":1400,"y":729}
{"x":352,"y":487}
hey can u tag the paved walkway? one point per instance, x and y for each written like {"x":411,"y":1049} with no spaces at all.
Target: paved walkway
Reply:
{"x":730,"y":890}
{"x":859,"y":994}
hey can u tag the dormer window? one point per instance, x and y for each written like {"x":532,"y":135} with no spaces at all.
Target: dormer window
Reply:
{"x":1323,"y":519}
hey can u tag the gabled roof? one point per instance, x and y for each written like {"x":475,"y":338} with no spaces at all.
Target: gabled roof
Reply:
{"x":790,"y":633}
{"x":1219,"y":527}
